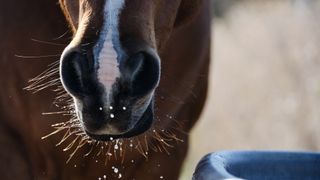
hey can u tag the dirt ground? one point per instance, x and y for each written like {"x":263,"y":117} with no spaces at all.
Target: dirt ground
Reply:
{"x":265,"y":81}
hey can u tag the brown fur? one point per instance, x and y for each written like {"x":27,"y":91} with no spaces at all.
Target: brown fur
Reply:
{"x":182,"y":39}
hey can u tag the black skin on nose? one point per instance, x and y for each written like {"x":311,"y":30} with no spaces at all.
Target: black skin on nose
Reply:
{"x":78,"y":74}
{"x":96,"y":116}
{"x":139,"y":77}
{"x":140,"y":73}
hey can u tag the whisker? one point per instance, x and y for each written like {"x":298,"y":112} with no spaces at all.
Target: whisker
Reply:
{"x":37,"y":56}
{"x":47,"y":42}
{"x":100,"y":151}
{"x":72,"y":154}
{"x":88,"y":153}
{"x":54,"y":132}
{"x":71,"y":144}
{"x":65,"y":137}
{"x":62,"y":35}
{"x":157,"y":139}
{"x":54,"y":113}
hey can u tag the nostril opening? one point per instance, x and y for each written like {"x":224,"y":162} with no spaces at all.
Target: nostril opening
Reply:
{"x":74,"y":68}
{"x":142,"y":72}
{"x":132,"y":66}
{"x":147,"y":78}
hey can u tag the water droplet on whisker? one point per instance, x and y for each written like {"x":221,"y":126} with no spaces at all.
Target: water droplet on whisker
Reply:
{"x":111,"y":115}
{"x":115,"y":170}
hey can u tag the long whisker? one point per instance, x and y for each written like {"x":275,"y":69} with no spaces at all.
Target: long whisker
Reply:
{"x":158,"y":139}
{"x":37,"y":56}
{"x":47,"y":42}
{"x":71,"y":144}
{"x":54,"y":132}
{"x":62,"y":35}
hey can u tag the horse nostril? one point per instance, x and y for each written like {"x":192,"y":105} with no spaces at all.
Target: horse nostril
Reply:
{"x":132,"y":66}
{"x":142,"y":72}
{"x":74,"y":70}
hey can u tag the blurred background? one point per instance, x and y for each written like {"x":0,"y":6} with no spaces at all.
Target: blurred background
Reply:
{"x":265,"y":79}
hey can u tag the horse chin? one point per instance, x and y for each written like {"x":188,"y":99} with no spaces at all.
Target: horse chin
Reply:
{"x":142,"y":125}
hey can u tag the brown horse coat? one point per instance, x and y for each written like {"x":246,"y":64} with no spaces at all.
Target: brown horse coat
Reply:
{"x":23,"y":155}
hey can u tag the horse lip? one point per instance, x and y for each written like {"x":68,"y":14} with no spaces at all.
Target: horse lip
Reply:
{"x":144,"y":123}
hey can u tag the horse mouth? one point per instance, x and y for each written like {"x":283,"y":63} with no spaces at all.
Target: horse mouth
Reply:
{"x":141,"y":126}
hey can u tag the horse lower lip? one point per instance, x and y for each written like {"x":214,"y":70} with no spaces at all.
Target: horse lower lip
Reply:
{"x":105,"y":137}
{"x":141,"y":126}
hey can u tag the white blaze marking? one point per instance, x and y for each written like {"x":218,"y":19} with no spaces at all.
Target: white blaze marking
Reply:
{"x":108,"y":70}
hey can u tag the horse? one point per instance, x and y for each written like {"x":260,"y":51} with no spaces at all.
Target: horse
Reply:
{"x":131,"y":82}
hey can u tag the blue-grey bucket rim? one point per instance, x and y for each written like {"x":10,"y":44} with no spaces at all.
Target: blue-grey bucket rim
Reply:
{"x":221,"y":165}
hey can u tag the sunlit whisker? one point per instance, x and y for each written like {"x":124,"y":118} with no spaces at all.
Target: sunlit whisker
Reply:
{"x":54,"y":132}
{"x":153,"y":140}
{"x":71,"y":144}
{"x":88,"y":153}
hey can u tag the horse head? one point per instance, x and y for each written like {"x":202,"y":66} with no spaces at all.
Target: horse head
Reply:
{"x":111,"y":68}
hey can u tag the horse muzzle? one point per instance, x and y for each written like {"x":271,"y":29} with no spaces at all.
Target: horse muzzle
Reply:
{"x":122,"y":105}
